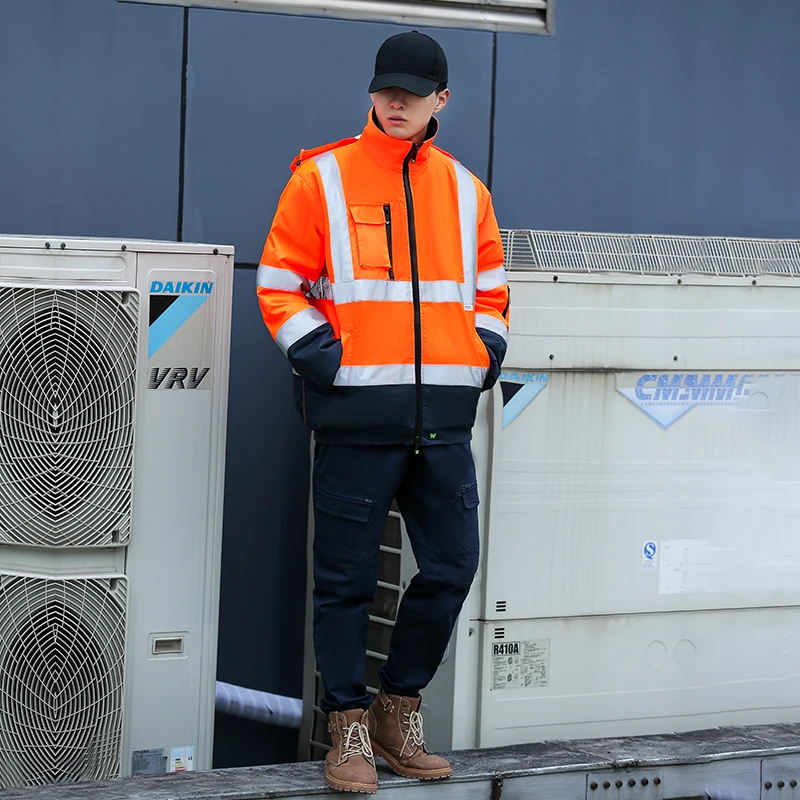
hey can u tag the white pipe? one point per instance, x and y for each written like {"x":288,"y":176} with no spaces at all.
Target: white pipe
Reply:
{"x":272,"y":709}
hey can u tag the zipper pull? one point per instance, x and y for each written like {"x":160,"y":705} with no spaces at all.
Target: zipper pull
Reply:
{"x":414,"y":151}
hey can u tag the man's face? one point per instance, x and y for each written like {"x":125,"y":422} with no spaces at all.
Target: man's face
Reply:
{"x":404,"y":115}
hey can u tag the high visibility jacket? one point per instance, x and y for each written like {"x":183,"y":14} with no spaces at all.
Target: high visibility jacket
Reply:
{"x":382,"y":280}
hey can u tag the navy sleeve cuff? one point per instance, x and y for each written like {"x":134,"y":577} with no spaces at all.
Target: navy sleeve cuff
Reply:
{"x":317,"y":357}
{"x":496,"y":347}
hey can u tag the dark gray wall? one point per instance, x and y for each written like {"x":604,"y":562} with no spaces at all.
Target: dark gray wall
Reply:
{"x":638,"y":115}
{"x":90,"y":131}
{"x":643,"y":115}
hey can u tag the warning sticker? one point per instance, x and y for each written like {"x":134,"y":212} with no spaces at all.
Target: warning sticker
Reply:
{"x":181,"y":759}
{"x":517,"y":665}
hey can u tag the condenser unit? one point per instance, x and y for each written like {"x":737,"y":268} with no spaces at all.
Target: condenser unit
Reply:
{"x":113,"y":396}
{"x":639,"y":468}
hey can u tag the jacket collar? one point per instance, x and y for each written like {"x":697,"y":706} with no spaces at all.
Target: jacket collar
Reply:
{"x":392,"y":152}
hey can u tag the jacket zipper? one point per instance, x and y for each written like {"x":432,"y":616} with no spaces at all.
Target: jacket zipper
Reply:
{"x":387,"y":213}
{"x":412,"y":244}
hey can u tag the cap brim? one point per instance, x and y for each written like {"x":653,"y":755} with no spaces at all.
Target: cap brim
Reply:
{"x":421,"y":87}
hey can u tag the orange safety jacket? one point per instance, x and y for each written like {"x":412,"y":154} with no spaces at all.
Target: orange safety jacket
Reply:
{"x":382,"y":280}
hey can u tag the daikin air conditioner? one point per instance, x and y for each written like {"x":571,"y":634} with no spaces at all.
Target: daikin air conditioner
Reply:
{"x":639,"y":468}
{"x":113,"y":396}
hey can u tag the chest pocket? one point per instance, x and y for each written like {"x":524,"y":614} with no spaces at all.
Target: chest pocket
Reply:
{"x":372,"y":239}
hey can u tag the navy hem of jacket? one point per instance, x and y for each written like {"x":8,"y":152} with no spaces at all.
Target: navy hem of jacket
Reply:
{"x":386,"y":414}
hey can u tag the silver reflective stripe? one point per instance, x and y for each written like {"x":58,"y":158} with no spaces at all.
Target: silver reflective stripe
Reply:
{"x":341,"y":253}
{"x":283,"y":279}
{"x":400,"y":292}
{"x":468,"y":216}
{"x":404,"y":374}
{"x":492,"y":279}
{"x":492,"y":324}
{"x":453,"y":375}
{"x":296,"y":327}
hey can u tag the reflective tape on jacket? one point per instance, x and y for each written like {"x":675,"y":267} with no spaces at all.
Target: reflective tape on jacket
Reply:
{"x":296,"y":327}
{"x":341,"y":251}
{"x":492,"y":324}
{"x":468,"y":217}
{"x":282,"y":279}
{"x":492,"y":279}
{"x":387,"y":291}
{"x":405,"y":374}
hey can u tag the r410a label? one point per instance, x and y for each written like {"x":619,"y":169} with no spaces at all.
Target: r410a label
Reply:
{"x":520,"y":665}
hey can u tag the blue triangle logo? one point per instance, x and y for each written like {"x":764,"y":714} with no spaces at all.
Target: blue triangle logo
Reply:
{"x":528,"y":385}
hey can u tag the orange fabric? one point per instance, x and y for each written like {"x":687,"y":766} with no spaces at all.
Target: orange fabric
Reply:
{"x":378,"y":332}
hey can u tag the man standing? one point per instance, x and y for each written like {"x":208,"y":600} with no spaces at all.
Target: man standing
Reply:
{"x":382,"y":281}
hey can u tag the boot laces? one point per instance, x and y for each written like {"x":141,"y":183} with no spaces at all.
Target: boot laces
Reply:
{"x":414,"y":722}
{"x":356,"y":743}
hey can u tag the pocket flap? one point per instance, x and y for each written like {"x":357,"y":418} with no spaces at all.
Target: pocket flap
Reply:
{"x":345,"y":506}
{"x":368,"y":214}
{"x":469,"y":495}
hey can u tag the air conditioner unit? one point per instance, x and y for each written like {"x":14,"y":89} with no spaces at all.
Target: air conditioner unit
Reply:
{"x":639,"y":466}
{"x":113,"y":396}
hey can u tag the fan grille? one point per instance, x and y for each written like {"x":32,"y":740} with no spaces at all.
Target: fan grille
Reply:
{"x":67,"y":388}
{"x":61,"y":679}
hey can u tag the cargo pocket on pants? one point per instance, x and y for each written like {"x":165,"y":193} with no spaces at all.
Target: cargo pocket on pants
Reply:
{"x":342,"y":531}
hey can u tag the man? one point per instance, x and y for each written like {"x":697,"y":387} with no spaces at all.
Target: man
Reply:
{"x":382,"y":281}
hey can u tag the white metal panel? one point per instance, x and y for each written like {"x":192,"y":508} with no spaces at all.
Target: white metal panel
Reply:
{"x":583,"y":478}
{"x":640,"y":674}
{"x":648,"y":322}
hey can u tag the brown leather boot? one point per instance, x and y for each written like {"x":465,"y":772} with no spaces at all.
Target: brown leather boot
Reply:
{"x":395,"y":728}
{"x":349,"y":764}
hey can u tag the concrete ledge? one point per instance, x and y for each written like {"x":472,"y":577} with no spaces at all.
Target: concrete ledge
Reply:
{"x":722,"y":763}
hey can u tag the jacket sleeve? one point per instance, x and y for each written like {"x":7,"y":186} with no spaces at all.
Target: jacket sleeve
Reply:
{"x":492,"y":293}
{"x":292,"y":261}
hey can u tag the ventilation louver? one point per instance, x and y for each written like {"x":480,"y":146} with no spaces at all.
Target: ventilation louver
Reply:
{"x":61,"y":678}
{"x":67,"y":387}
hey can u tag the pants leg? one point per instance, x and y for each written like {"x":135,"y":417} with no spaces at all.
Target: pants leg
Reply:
{"x":439,"y":503}
{"x":353,"y":491}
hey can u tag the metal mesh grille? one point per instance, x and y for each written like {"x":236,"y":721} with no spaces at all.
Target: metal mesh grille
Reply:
{"x":67,"y":385}
{"x":655,"y":255}
{"x":61,"y":679}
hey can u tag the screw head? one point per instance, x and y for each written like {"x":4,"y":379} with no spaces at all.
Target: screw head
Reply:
{"x":631,"y":783}
{"x":674,"y":358}
{"x":606,"y":785}
{"x":618,"y":784}
{"x":768,"y":785}
{"x":754,"y":283}
{"x":680,"y":281}
{"x":781,"y":784}
{"x":47,"y":245}
{"x":63,"y":246}
{"x":555,"y":277}
{"x":645,"y":782}
{"x":124,"y":247}
{"x":657,"y":781}
{"x":216,"y":251}
{"x":551,"y":356}
{"x":793,"y":783}
{"x":593,"y":786}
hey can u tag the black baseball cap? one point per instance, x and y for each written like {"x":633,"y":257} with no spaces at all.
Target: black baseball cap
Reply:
{"x":411,"y":61}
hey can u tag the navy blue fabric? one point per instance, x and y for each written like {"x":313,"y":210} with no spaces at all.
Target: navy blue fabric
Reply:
{"x":437,"y":493}
{"x":317,"y":356}
{"x":497,"y":352}
{"x":386,"y":414}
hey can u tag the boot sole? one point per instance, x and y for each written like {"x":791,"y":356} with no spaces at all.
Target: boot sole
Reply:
{"x":349,"y":786}
{"x":410,"y":772}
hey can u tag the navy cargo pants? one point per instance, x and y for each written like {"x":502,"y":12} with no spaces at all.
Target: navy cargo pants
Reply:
{"x":437,"y":494}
